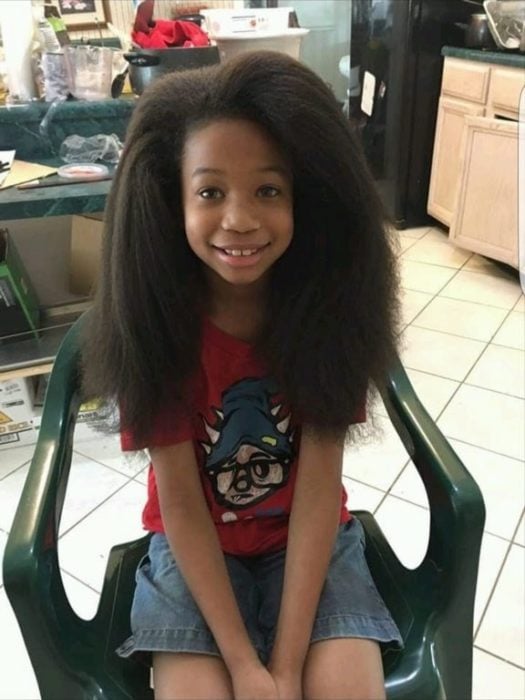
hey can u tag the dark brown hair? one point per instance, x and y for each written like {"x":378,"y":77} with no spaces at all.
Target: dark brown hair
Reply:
{"x":331,"y":317}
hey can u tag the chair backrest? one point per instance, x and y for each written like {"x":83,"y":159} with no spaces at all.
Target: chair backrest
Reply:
{"x":72,"y":657}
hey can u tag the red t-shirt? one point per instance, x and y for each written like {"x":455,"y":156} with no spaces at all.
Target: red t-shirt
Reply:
{"x":246,"y":443}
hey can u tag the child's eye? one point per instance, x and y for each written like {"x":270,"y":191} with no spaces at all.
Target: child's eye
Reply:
{"x":268,"y":191}
{"x":210,"y":193}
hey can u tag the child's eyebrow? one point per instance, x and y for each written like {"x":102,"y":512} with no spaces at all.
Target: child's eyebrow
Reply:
{"x":206,"y":171}
{"x":265,"y":169}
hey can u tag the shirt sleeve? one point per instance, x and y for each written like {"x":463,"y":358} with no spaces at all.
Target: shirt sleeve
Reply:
{"x":170,"y":426}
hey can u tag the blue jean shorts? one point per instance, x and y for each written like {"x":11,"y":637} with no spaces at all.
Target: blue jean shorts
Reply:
{"x":164,"y":616}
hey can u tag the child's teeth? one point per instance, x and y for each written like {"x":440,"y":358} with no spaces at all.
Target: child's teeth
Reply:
{"x":237,"y":253}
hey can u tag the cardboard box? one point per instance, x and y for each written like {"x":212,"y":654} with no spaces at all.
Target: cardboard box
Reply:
{"x":89,"y":414}
{"x":19,"y":310}
{"x":16,"y":413}
{"x":86,"y":249}
{"x":21,"y":413}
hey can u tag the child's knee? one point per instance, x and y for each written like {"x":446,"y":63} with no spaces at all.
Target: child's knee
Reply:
{"x":344,"y":669}
{"x":190,"y":677}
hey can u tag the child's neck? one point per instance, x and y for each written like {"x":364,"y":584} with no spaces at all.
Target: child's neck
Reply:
{"x":238,"y":311}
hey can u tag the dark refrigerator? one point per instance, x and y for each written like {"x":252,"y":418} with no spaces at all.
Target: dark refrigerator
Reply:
{"x":395,"y":80}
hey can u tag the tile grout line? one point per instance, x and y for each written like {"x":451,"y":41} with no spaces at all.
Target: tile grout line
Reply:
{"x":28,"y":461}
{"x":102,"y":464}
{"x":492,"y":591}
{"x":462,"y":268}
{"x":466,"y":337}
{"x":500,"y":658}
{"x":74,"y":576}
{"x":126,"y":483}
{"x":498,"y":577}
{"x":439,"y":294}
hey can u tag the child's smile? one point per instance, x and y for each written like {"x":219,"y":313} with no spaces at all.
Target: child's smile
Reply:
{"x":237,"y":193}
{"x":240,"y":256}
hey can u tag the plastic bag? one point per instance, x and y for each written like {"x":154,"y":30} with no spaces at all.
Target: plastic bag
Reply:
{"x":88,"y":149}
{"x":54,"y":71}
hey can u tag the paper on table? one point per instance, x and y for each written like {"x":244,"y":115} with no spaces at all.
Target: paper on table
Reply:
{"x":22,"y":171}
{"x":6,"y":157}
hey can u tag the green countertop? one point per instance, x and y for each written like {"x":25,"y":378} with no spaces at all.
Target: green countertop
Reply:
{"x":502,"y":58}
{"x":59,"y":200}
{"x":37,"y":129}
{"x":37,"y":139}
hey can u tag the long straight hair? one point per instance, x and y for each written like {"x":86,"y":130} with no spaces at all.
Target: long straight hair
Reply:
{"x":330,"y":323}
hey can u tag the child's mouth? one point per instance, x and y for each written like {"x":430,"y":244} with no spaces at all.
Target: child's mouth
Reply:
{"x":235,"y":252}
{"x":239,"y":257}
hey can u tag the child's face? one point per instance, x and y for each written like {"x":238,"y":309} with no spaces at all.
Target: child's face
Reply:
{"x":237,"y":197}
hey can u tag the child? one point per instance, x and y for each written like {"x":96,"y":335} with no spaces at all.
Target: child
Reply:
{"x":247,"y":299}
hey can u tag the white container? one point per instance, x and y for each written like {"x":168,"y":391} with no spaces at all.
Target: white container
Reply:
{"x":221,"y":22}
{"x":89,"y":71}
{"x":288,"y":42}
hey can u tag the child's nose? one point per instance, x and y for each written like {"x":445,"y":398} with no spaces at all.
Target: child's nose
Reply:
{"x":240,"y":216}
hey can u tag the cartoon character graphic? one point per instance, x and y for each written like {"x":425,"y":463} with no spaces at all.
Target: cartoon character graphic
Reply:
{"x":250,"y":446}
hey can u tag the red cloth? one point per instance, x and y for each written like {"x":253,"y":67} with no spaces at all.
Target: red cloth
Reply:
{"x":246,"y":443}
{"x":166,"y":34}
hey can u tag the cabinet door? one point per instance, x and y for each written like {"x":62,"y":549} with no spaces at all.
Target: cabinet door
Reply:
{"x":466,"y":80}
{"x":506,"y":85}
{"x":486,"y":218}
{"x":446,"y":163}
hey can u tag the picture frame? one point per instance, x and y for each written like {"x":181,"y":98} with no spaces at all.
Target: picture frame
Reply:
{"x":84,"y":14}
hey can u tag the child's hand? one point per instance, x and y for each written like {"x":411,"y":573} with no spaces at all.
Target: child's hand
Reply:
{"x":254,"y":683}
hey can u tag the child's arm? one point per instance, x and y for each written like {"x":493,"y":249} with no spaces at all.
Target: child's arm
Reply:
{"x":313,"y":526}
{"x":195,"y":545}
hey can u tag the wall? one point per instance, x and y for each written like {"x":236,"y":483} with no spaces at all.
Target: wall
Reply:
{"x":122,"y":14}
{"x":328,"y":40}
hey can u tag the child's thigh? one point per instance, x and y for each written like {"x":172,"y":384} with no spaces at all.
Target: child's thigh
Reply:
{"x":183,"y":676}
{"x":344,"y":669}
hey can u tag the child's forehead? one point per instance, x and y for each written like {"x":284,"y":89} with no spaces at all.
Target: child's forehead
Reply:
{"x":229,"y":140}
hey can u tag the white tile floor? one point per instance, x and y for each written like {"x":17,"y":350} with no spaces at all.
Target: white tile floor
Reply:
{"x":464,"y":349}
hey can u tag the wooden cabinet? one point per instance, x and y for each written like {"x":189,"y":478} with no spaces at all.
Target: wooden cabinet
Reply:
{"x":464,"y":90}
{"x":486,"y":215}
{"x":474,"y":179}
{"x":506,"y":85}
{"x":446,"y":163}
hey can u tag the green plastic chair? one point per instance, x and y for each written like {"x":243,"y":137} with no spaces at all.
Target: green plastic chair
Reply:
{"x":432,"y":604}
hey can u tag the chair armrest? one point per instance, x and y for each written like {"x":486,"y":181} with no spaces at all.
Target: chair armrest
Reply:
{"x":457,"y":511}
{"x":31,"y":561}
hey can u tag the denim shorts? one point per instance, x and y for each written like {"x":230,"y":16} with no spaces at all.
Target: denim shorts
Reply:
{"x":164,"y":616}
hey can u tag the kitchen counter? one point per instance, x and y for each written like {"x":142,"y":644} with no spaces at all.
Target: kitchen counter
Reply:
{"x":502,"y":58}
{"x":60,"y":200}
{"x":22,"y":128}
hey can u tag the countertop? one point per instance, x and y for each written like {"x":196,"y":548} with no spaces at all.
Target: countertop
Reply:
{"x":37,"y":139}
{"x":37,"y":129}
{"x":502,"y":58}
{"x":81,"y":198}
